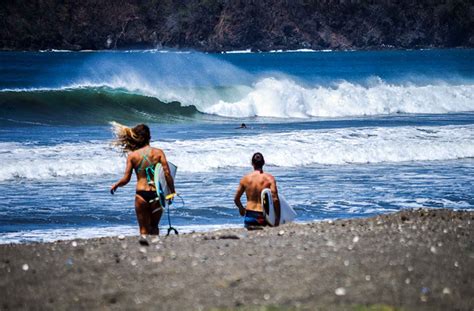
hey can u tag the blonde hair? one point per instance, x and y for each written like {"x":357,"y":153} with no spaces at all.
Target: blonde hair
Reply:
{"x":130,"y":139}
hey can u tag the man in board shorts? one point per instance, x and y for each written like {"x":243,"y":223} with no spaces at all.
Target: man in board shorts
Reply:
{"x":253,"y":184}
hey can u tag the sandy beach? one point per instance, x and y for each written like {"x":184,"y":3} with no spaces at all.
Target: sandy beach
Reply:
{"x":411,"y":260}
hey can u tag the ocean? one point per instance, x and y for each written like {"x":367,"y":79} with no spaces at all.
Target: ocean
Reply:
{"x":346,"y":134}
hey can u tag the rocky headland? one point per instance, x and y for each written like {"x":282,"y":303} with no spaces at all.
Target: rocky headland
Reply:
{"x":221,"y":25}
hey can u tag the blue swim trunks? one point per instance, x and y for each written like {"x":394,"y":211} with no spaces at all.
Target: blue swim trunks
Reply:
{"x":254,"y":219}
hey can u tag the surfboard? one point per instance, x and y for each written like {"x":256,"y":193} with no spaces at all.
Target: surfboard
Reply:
{"x":160,"y":181}
{"x":287,"y":213}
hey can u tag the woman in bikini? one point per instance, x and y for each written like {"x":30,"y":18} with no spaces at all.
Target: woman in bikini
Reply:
{"x":142,"y":158}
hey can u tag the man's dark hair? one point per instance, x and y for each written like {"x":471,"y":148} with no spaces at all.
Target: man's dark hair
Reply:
{"x":257,"y":160}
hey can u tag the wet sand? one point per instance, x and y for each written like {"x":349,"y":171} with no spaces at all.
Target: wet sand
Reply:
{"x":411,"y":260}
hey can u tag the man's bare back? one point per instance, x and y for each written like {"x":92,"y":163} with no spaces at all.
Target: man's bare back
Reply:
{"x":253,"y":184}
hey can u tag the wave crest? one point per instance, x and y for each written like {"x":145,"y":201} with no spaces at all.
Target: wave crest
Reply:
{"x":87,"y":105}
{"x":285,"y":98}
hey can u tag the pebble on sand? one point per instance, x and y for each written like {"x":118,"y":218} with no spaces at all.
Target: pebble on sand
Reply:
{"x":157,"y":259}
{"x":74,"y":243}
{"x":121,"y":237}
{"x":281,"y":232}
{"x":25,"y":267}
{"x":340,"y":291}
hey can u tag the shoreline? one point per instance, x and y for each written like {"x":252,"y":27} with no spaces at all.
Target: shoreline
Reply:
{"x":410,"y":260}
{"x":113,"y":232}
{"x":163,"y":50}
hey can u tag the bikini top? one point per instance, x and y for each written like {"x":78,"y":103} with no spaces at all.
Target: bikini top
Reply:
{"x":150,"y":169}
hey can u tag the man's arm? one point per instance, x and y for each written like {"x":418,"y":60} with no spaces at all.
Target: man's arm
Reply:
{"x":276,"y":201}
{"x":238,"y":194}
{"x":166,"y":170}
{"x":126,"y":176}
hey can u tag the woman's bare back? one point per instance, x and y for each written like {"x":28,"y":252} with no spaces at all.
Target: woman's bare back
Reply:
{"x":141,"y":159}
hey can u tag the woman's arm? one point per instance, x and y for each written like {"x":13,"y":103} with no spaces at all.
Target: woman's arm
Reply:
{"x":126,"y":176}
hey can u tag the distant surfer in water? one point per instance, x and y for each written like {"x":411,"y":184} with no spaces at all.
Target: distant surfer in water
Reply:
{"x":142,"y":158}
{"x":242,"y":126}
{"x":253,"y":184}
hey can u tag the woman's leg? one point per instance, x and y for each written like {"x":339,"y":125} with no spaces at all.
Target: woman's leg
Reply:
{"x":155,"y":217}
{"x":142,"y":209}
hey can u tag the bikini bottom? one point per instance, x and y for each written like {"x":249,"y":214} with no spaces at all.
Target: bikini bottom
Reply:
{"x":150,"y":197}
{"x":147,"y":195}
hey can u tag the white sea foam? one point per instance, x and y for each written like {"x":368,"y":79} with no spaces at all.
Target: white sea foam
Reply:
{"x":335,"y":146}
{"x":152,"y":51}
{"x":285,"y":98}
{"x":51,"y":235}
{"x":238,"y":51}
{"x":287,"y":149}
{"x":276,"y":51}
{"x":300,"y":51}
{"x":64,"y":160}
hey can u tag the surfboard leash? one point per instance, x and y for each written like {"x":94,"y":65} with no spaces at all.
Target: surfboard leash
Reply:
{"x":170,"y":227}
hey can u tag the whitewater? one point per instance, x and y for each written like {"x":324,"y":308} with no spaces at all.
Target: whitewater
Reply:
{"x":288,"y":149}
{"x":346,"y":134}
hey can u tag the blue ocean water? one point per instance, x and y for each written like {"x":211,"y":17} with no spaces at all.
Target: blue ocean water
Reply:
{"x":346,"y":134}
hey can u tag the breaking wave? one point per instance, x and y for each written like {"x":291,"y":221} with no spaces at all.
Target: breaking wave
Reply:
{"x":91,"y":105}
{"x":269,"y":97}
{"x":134,"y":86}
{"x":285,"y":98}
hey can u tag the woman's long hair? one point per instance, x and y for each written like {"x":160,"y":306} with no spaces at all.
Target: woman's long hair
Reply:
{"x":130,"y":139}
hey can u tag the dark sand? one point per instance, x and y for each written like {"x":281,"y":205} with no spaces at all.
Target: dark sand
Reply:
{"x":413,"y":260}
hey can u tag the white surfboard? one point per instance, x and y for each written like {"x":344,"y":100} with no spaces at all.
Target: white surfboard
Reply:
{"x":287,"y":213}
{"x":160,"y":181}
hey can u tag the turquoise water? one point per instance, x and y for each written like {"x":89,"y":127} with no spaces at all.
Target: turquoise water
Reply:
{"x":347,"y":134}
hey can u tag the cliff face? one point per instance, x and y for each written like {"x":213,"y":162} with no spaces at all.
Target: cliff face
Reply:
{"x":216,"y":25}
